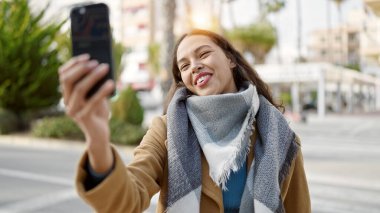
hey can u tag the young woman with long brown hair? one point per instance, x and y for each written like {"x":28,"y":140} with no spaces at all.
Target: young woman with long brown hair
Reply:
{"x":222,"y":144}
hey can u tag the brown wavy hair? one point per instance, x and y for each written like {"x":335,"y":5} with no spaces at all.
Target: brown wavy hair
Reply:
{"x":242,"y":72}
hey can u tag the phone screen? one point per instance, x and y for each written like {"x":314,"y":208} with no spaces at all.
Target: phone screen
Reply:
{"x":90,"y":33}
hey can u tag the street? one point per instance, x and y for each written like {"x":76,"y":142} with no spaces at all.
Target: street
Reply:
{"x":341,"y":154}
{"x":342,"y":158}
{"x":38,"y":180}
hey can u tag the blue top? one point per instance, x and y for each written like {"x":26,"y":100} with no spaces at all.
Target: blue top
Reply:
{"x":235,"y":187}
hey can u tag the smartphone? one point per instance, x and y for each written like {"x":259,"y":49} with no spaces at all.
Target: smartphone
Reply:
{"x":91,"y":33}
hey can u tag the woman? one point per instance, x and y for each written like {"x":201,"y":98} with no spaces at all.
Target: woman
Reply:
{"x":222,"y":145}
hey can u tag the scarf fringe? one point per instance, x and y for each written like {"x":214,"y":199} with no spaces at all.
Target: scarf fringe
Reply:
{"x":237,"y":160}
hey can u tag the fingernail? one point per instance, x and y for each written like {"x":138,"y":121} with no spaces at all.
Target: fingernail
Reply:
{"x":84,"y":56}
{"x":103,"y":67}
{"x":109,"y":83}
{"x":92,"y":63}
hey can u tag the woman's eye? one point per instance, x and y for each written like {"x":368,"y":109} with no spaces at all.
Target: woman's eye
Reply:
{"x":204,"y":54}
{"x":184,"y":67}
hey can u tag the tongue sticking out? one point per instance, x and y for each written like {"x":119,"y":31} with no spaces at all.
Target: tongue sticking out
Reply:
{"x":200,"y":80}
{"x":203,"y":80}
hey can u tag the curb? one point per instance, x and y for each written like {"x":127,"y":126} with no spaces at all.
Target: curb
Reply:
{"x":50,"y":143}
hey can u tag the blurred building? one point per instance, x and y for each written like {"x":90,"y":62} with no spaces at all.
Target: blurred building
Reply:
{"x":337,"y":46}
{"x":60,"y":10}
{"x":138,"y":26}
{"x":355,"y":43}
{"x":322,"y":87}
{"x":136,"y":23}
{"x":372,"y":35}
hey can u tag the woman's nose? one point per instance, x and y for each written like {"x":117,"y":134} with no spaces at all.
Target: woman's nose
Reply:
{"x":196,"y":68}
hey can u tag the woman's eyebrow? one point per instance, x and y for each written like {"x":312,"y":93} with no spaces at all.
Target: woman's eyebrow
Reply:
{"x":196,"y":50}
{"x":201,"y":47}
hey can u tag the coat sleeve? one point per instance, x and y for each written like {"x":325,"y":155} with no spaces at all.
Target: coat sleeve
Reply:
{"x":295,"y":190}
{"x":129,"y":188}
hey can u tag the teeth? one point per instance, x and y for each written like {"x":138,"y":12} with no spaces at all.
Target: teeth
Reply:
{"x":201,"y":79}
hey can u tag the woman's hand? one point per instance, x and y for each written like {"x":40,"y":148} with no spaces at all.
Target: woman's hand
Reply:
{"x":77,"y":77}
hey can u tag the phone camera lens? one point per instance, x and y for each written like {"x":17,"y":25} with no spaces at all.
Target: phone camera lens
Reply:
{"x":82,"y":10}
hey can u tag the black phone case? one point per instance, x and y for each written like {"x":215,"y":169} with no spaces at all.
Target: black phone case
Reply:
{"x":91,"y":33}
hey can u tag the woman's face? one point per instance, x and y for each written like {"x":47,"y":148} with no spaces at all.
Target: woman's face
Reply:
{"x":205,"y":69}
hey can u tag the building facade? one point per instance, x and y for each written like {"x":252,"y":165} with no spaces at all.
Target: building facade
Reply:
{"x":355,"y":44}
{"x":337,"y":46}
{"x":372,"y":36}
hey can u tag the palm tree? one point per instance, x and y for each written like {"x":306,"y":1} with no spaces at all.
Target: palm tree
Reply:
{"x":257,"y":39}
{"x":168,"y":8}
{"x":275,"y":7}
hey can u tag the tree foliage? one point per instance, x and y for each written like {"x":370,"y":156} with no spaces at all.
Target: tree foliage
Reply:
{"x":28,"y":58}
{"x":274,"y":6}
{"x":118,"y":51}
{"x":257,"y":38}
{"x":154,"y":58}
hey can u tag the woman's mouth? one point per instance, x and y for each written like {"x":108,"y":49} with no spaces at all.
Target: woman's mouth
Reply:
{"x":202,"y":79}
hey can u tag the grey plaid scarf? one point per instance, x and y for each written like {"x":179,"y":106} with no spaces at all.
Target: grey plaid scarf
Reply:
{"x":223,"y":125}
{"x":275,"y":150}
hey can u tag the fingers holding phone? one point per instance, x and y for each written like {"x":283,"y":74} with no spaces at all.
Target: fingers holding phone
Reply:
{"x":77,"y":77}
{"x":82,"y":88}
{"x":71,"y":72}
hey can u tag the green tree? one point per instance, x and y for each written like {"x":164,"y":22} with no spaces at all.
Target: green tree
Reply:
{"x":28,"y":58}
{"x":118,"y":51}
{"x":261,"y":36}
{"x":270,"y":6}
{"x":154,"y":58}
{"x":257,"y":38}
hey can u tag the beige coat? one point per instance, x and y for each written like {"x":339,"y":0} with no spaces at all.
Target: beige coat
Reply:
{"x":130,"y":188}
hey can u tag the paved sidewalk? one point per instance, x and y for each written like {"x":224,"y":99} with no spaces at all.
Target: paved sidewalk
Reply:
{"x":51,"y":143}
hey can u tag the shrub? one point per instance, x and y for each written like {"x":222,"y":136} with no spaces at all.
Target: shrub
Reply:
{"x":127,"y":134}
{"x":8,"y":121}
{"x":286,"y":98}
{"x":63,"y":127}
{"x":28,"y":58}
{"x":127,"y":108}
{"x":57,"y":127}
